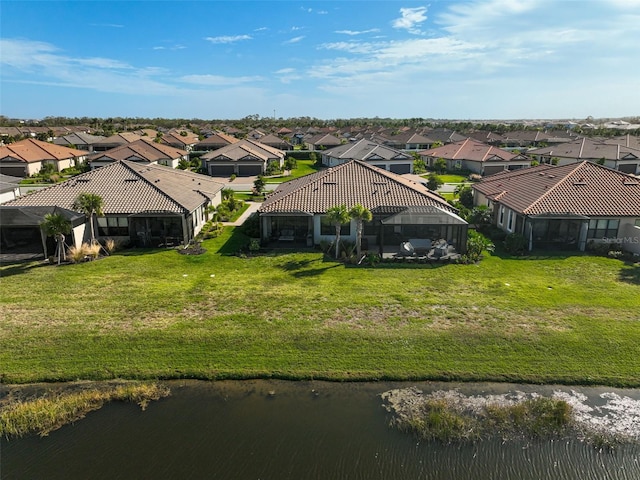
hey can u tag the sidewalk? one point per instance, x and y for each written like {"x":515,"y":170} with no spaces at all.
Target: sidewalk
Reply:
{"x":253,"y":206}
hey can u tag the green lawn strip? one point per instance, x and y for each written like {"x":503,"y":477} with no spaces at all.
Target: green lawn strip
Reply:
{"x":159,"y":314}
{"x":305,"y":167}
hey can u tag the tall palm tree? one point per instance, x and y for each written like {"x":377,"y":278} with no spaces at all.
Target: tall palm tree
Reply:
{"x":360,"y":214}
{"x":90,"y":204}
{"x":56,"y":226}
{"x":338,"y":216}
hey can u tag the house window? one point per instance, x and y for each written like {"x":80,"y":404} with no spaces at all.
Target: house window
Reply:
{"x":113,"y":226}
{"x":501,"y":216}
{"x":327,"y":228}
{"x":510,"y":221}
{"x":603,"y":228}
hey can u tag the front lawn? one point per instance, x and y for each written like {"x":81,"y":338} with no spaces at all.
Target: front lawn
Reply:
{"x":158,"y":314}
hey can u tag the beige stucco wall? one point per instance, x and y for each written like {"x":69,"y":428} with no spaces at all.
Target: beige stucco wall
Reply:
{"x":629,"y":236}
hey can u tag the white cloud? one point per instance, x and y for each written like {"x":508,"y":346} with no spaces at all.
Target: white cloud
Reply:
{"x":106,"y":25}
{"x":410,"y":20}
{"x":218,"y":80}
{"x":353,"y":32}
{"x":294,"y":40}
{"x":228,"y":39}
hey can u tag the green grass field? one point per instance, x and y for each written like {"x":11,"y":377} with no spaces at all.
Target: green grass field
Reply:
{"x":157,"y":314}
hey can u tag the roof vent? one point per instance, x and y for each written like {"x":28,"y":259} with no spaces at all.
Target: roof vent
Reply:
{"x":631,"y":182}
{"x":327,"y":182}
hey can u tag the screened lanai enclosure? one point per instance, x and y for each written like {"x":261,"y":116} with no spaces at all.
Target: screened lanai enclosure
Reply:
{"x":421,"y":223}
{"x":389,"y":228}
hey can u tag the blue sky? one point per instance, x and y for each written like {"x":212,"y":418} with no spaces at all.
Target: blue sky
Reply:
{"x":488,"y":59}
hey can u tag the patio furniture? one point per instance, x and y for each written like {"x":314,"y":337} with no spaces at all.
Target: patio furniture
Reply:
{"x":286,"y":236}
{"x":421,"y":245}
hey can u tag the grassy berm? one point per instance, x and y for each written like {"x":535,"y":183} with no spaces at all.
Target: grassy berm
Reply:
{"x":155,"y":314}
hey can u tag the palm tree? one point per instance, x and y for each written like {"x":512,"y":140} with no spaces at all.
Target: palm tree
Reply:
{"x":338,"y":216}
{"x":90,"y":204}
{"x":56,"y":225}
{"x":360,"y":214}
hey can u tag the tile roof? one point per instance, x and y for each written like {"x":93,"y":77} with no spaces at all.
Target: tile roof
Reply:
{"x":471,"y":150}
{"x":243,"y":149}
{"x":366,"y":150}
{"x":350,"y":183}
{"x":121,"y":139}
{"x":31,"y":150}
{"x":583,"y":188}
{"x":586,"y":148}
{"x":78,"y":138}
{"x":218,"y":138}
{"x":128,"y":188}
{"x":140,"y":149}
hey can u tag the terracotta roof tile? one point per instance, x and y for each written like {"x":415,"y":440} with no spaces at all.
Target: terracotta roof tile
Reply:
{"x":31,"y":150}
{"x":128,"y":187}
{"x":583,"y":188}
{"x":350,"y":183}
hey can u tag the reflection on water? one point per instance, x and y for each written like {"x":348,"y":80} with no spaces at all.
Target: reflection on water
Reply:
{"x":304,"y":430}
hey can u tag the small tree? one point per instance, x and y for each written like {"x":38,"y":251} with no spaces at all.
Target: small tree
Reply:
{"x":440,"y":165}
{"x":90,"y":204}
{"x":465,"y":195}
{"x":360,"y":214}
{"x":338,"y":216}
{"x":434,"y":182}
{"x":56,"y":226}
{"x":259,"y":184}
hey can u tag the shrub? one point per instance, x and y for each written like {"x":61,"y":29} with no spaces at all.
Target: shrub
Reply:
{"x":515,"y":244}
{"x":465,"y":195}
{"x":476,"y":245}
{"x":254,"y":245}
{"x":110,"y":245}
{"x":77,"y":254}
{"x":232,"y":177}
{"x":93,"y":250}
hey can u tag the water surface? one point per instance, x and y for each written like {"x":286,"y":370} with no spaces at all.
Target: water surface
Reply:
{"x":292,"y":430}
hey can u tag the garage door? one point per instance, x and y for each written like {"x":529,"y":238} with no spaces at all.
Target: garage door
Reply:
{"x":492,"y":170}
{"x":629,"y":168}
{"x":13,"y":170}
{"x":221,"y":170}
{"x":249,"y":170}
{"x":401,"y":168}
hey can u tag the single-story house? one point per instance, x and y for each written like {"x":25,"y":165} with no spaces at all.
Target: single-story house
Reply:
{"x":79,"y":140}
{"x":613,"y":155}
{"x":118,"y":140}
{"x":274,"y":141}
{"x":476,"y":157}
{"x":143,"y":204}
{"x":402,"y":210}
{"x":182,"y":140}
{"x":321,"y":141}
{"x":214,"y":141}
{"x":565,"y":207}
{"x":140,"y":151}
{"x":408,"y":141}
{"x":244,"y":158}
{"x":370,"y":152}
{"x":27,"y":157}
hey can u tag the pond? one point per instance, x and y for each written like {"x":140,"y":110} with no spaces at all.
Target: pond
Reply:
{"x":295,"y":430}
